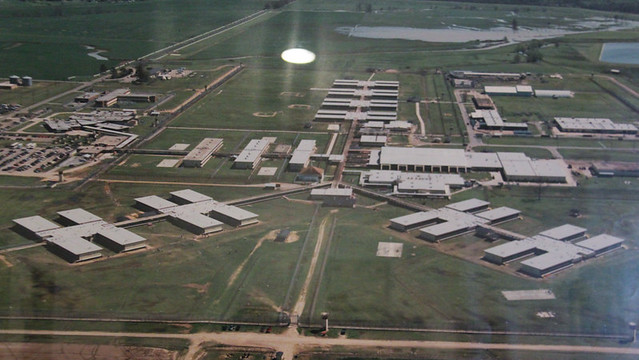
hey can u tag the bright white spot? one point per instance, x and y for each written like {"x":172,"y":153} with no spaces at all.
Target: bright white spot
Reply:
{"x":298,"y":56}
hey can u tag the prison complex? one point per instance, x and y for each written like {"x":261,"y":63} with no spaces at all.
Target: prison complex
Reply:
{"x":76,"y":241}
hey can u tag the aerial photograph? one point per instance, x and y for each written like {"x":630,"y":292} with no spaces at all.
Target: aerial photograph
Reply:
{"x":319,"y":179}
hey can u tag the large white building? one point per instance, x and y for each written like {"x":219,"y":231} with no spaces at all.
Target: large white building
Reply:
{"x":251,"y":156}
{"x":593,"y":125}
{"x":302,"y":155}
{"x":202,"y":152}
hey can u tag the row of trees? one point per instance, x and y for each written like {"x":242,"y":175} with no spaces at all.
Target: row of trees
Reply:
{"x":625,"y":6}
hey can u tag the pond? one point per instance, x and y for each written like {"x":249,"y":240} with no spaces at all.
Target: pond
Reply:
{"x":620,"y":53}
{"x":462,"y":34}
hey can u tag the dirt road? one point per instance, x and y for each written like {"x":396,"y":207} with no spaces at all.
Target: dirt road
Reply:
{"x":292,"y":342}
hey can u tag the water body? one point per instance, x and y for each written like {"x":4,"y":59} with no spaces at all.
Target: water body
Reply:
{"x":459,"y":34}
{"x":620,"y":53}
{"x":95,"y":54}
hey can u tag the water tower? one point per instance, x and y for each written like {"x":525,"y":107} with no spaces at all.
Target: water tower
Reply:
{"x":27,"y":81}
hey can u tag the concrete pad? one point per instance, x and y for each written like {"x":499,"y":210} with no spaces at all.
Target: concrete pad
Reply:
{"x":267,"y":171}
{"x":179,"y":147}
{"x":168,"y":163}
{"x":387,"y":249}
{"x":541,"y":294}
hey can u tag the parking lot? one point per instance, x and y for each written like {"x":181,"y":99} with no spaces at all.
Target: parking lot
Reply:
{"x":26,"y":159}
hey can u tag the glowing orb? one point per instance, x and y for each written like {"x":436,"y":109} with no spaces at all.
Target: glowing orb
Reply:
{"x":298,"y":56}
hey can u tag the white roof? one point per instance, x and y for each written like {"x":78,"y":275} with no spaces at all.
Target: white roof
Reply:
{"x":511,"y":248}
{"x":592,"y":124}
{"x":375,"y":139}
{"x":491,"y":118}
{"x":75,"y":245}
{"x":190,"y":196}
{"x":253,"y":150}
{"x":600,"y":242}
{"x":554,"y":93}
{"x":204,"y":149}
{"x":446,"y":228}
{"x":563,"y":232}
{"x":550,"y":168}
{"x":36,"y":223}
{"x":79,"y":216}
{"x":423,"y":185}
{"x":468,"y":205}
{"x":199,"y":220}
{"x":121,"y":236}
{"x":347,"y":192}
{"x":500,"y":90}
{"x":481,"y":160}
{"x":233,"y":212}
{"x":416,"y":218}
{"x":423,"y":156}
{"x":524,"y":89}
{"x":498,"y":213}
{"x":155,"y":202}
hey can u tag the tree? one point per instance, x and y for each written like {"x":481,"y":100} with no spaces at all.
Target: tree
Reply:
{"x":514,"y":24}
{"x":103,"y":68}
{"x":142,"y":72}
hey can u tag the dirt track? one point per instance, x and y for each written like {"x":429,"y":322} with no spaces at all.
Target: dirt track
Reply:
{"x":291,"y":342}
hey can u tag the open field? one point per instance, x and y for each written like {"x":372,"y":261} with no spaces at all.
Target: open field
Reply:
{"x":42,"y":33}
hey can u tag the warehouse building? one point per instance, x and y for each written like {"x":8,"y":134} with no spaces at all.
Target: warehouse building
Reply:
{"x":593,"y":126}
{"x":466,"y":74}
{"x":412,"y":184}
{"x":518,"y":167}
{"x":203,"y":152}
{"x":188,"y":196}
{"x":480,"y":161}
{"x":615,"y":168}
{"x":445,"y":230}
{"x":32,"y":225}
{"x":555,"y":94}
{"x":251,"y":156}
{"x":423,"y":159}
{"x":415,"y":220}
{"x":77,"y":217}
{"x":302,"y":155}
{"x":111,"y":98}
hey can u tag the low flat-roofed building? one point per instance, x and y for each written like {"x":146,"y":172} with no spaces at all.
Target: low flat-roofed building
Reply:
{"x":78,"y":216}
{"x":74,"y":248}
{"x":373,"y":140}
{"x":119,"y":240}
{"x":86,"y":97}
{"x":483,"y":102}
{"x":524,"y":90}
{"x":412,"y":184}
{"x":601,"y":244}
{"x":500,"y":90}
{"x":565,"y":232}
{"x":398,"y":126}
{"x":615,"y":168}
{"x":499,"y":214}
{"x":470,"y":205}
{"x":111,"y":98}
{"x":446,"y":230}
{"x":547,"y":263}
{"x":202,"y":152}
{"x":466,"y":74}
{"x":188,"y":196}
{"x":480,"y":161}
{"x":554,"y":94}
{"x":252,"y":153}
{"x":195,"y":222}
{"x":32,"y":225}
{"x":342,"y":197}
{"x":153,"y":203}
{"x":593,"y":125}
{"x":415,"y":220}
{"x":423,"y":159}
{"x":424,"y":188}
{"x":302,"y":155}
{"x":510,"y":251}
{"x":233,"y":215}
{"x":550,"y":171}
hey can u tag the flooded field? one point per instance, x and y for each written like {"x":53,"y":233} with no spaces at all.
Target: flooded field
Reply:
{"x":620,"y":53}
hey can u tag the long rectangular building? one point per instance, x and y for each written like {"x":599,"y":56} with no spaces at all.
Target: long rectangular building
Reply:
{"x":251,"y":156}
{"x":302,"y":155}
{"x":593,"y":125}
{"x":423,"y":159}
{"x":201,"y":154}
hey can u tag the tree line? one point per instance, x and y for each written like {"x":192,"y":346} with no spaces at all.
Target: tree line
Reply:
{"x":626,"y":6}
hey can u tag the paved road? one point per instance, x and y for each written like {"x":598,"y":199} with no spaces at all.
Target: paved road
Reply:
{"x":291,"y":342}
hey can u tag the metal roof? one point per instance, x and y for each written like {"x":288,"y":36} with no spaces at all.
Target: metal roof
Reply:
{"x":198,"y":220}
{"x":423,"y":156}
{"x":36,"y":223}
{"x":155,"y":202}
{"x":600,"y":242}
{"x":332,"y":192}
{"x":204,"y":149}
{"x":592,"y":124}
{"x":253,"y":150}
{"x":563,"y":232}
{"x":446,"y":228}
{"x":483,"y":160}
{"x":75,"y":245}
{"x":468,"y":205}
{"x":190,"y":196}
{"x":498,"y":213}
{"x":415,"y":218}
{"x":121,"y":236}
{"x":79,"y":216}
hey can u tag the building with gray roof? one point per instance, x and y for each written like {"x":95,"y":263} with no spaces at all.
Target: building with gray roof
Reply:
{"x":565,"y":232}
{"x":188,"y":196}
{"x":32,"y":225}
{"x":153,"y":203}
{"x":423,"y":159}
{"x":203,"y":152}
{"x":601,"y":244}
{"x":251,"y":156}
{"x":302,"y":155}
{"x":74,"y":248}
{"x":470,"y":205}
{"x":499,"y":214}
{"x":593,"y":125}
{"x":78,"y":216}
{"x":119,"y":239}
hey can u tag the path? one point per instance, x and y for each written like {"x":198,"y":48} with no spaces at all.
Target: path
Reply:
{"x":621,"y":85}
{"x":293,"y":342}
{"x":422,"y":127}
